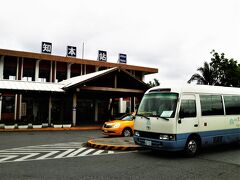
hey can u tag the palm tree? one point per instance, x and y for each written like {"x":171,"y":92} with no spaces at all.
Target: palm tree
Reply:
{"x":206,"y":75}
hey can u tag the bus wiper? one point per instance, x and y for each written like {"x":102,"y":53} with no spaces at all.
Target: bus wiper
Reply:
{"x":158,"y":116}
{"x":141,"y":115}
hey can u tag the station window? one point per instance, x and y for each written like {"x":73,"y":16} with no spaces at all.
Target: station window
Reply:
{"x":211,"y":105}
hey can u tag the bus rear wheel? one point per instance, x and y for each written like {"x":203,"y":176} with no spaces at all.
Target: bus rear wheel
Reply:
{"x":192,"y":147}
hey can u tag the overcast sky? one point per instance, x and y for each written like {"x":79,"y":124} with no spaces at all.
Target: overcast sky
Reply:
{"x":175,"y":36}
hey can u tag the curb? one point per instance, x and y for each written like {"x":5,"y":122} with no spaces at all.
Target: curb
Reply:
{"x":52,"y":129}
{"x":127,"y":147}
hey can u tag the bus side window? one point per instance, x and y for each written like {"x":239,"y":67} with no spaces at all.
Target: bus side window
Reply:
{"x":187,"y":108}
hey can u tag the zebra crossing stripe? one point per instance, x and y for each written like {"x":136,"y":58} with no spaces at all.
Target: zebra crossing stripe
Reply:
{"x":110,"y":152}
{"x":86,"y":152}
{"x":98,"y":152}
{"x":76,"y":152}
{"x":48,"y":155}
{"x":26,"y":157}
{"x":64,"y":153}
{"x":7,"y":158}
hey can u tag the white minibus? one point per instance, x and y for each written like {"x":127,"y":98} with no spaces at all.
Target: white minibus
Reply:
{"x":188,"y":118}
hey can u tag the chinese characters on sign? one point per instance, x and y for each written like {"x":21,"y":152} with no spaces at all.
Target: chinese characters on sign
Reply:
{"x":102,"y":55}
{"x":122,"y":58}
{"x":71,"y":51}
{"x":46,"y":47}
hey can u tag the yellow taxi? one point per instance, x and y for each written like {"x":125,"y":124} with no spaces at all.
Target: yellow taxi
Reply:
{"x":121,"y":127}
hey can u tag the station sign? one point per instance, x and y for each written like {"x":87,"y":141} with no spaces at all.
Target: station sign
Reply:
{"x":46,"y":47}
{"x":122,"y":58}
{"x":102,"y":55}
{"x":71,"y":51}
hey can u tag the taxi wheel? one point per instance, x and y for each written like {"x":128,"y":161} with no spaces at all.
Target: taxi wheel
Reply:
{"x":127,"y":132}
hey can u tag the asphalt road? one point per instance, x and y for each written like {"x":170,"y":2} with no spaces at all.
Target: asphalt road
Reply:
{"x":62,"y":155}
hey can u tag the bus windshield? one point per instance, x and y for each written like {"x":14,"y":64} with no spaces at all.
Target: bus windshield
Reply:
{"x":158,"y":105}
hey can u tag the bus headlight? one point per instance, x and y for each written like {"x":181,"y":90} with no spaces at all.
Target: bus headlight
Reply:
{"x":167,"y":137}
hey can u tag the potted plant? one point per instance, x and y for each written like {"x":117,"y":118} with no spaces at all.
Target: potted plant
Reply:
{"x":57,"y":123}
{"x":37,"y":124}
{"x":9,"y":124}
{"x":45,"y":124}
{"x":22,"y":124}
{"x":67,"y":124}
{"x":2,"y":125}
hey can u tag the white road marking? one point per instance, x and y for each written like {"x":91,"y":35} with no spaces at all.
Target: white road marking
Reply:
{"x":86,"y":152}
{"x":51,"y":151}
{"x":64,"y":153}
{"x":98,"y":152}
{"x":7,"y":157}
{"x":48,"y":155}
{"x":76,"y":152}
{"x":26,"y":157}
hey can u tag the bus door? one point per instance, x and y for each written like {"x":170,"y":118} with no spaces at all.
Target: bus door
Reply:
{"x":187,"y":121}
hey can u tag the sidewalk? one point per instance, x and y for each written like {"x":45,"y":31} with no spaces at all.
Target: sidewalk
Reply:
{"x":80,"y":128}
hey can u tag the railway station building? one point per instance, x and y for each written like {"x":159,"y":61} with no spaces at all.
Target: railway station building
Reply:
{"x":43,"y":88}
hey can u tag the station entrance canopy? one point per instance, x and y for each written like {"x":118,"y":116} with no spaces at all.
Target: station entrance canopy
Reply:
{"x":113,"y":82}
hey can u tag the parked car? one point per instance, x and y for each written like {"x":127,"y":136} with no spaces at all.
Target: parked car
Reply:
{"x":120,"y":127}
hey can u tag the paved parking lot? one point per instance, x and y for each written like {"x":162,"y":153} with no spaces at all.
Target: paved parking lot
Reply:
{"x":63,"y":155}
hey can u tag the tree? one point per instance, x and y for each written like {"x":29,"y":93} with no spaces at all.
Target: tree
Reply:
{"x":206,"y":75}
{"x":227,"y":72}
{"x":154,"y":83}
{"x":220,"y":71}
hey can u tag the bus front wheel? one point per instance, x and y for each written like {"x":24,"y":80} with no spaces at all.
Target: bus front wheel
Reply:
{"x":192,"y":147}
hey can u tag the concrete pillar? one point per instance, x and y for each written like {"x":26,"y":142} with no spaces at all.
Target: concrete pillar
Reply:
{"x":19,"y":70}
{"x":1,"y":67}
{"x":81,"y":66}
{"x":50,"y":78}
{"x":96,"y":111}
{"x":0,"y":106}
{"x":50,"y":110}
{"x":96,"y":69}
{"x":1,"y":77}
{"x":69,"y":70}
{"x":132,"y":104}
{"x":143,"y":76}
{"x":53,"y":71}
{"x":37,"y":70}
{"x":15,"y":107}
{"x":85,"y":69}
{"x":74,"y":110}
{"x":19,"y":106}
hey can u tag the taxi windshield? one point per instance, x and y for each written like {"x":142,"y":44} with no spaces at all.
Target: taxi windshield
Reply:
{"x":158,"y":105}
{"x":127,"y":118}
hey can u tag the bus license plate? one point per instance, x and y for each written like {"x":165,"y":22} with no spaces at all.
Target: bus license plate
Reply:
{"x":148,"y":143}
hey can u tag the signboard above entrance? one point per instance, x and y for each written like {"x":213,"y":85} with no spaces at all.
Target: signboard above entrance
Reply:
{"x":102,"y":55}
{"x":71,"y":51}
{"x":46,"y":47}
{"x":122,"y":58}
